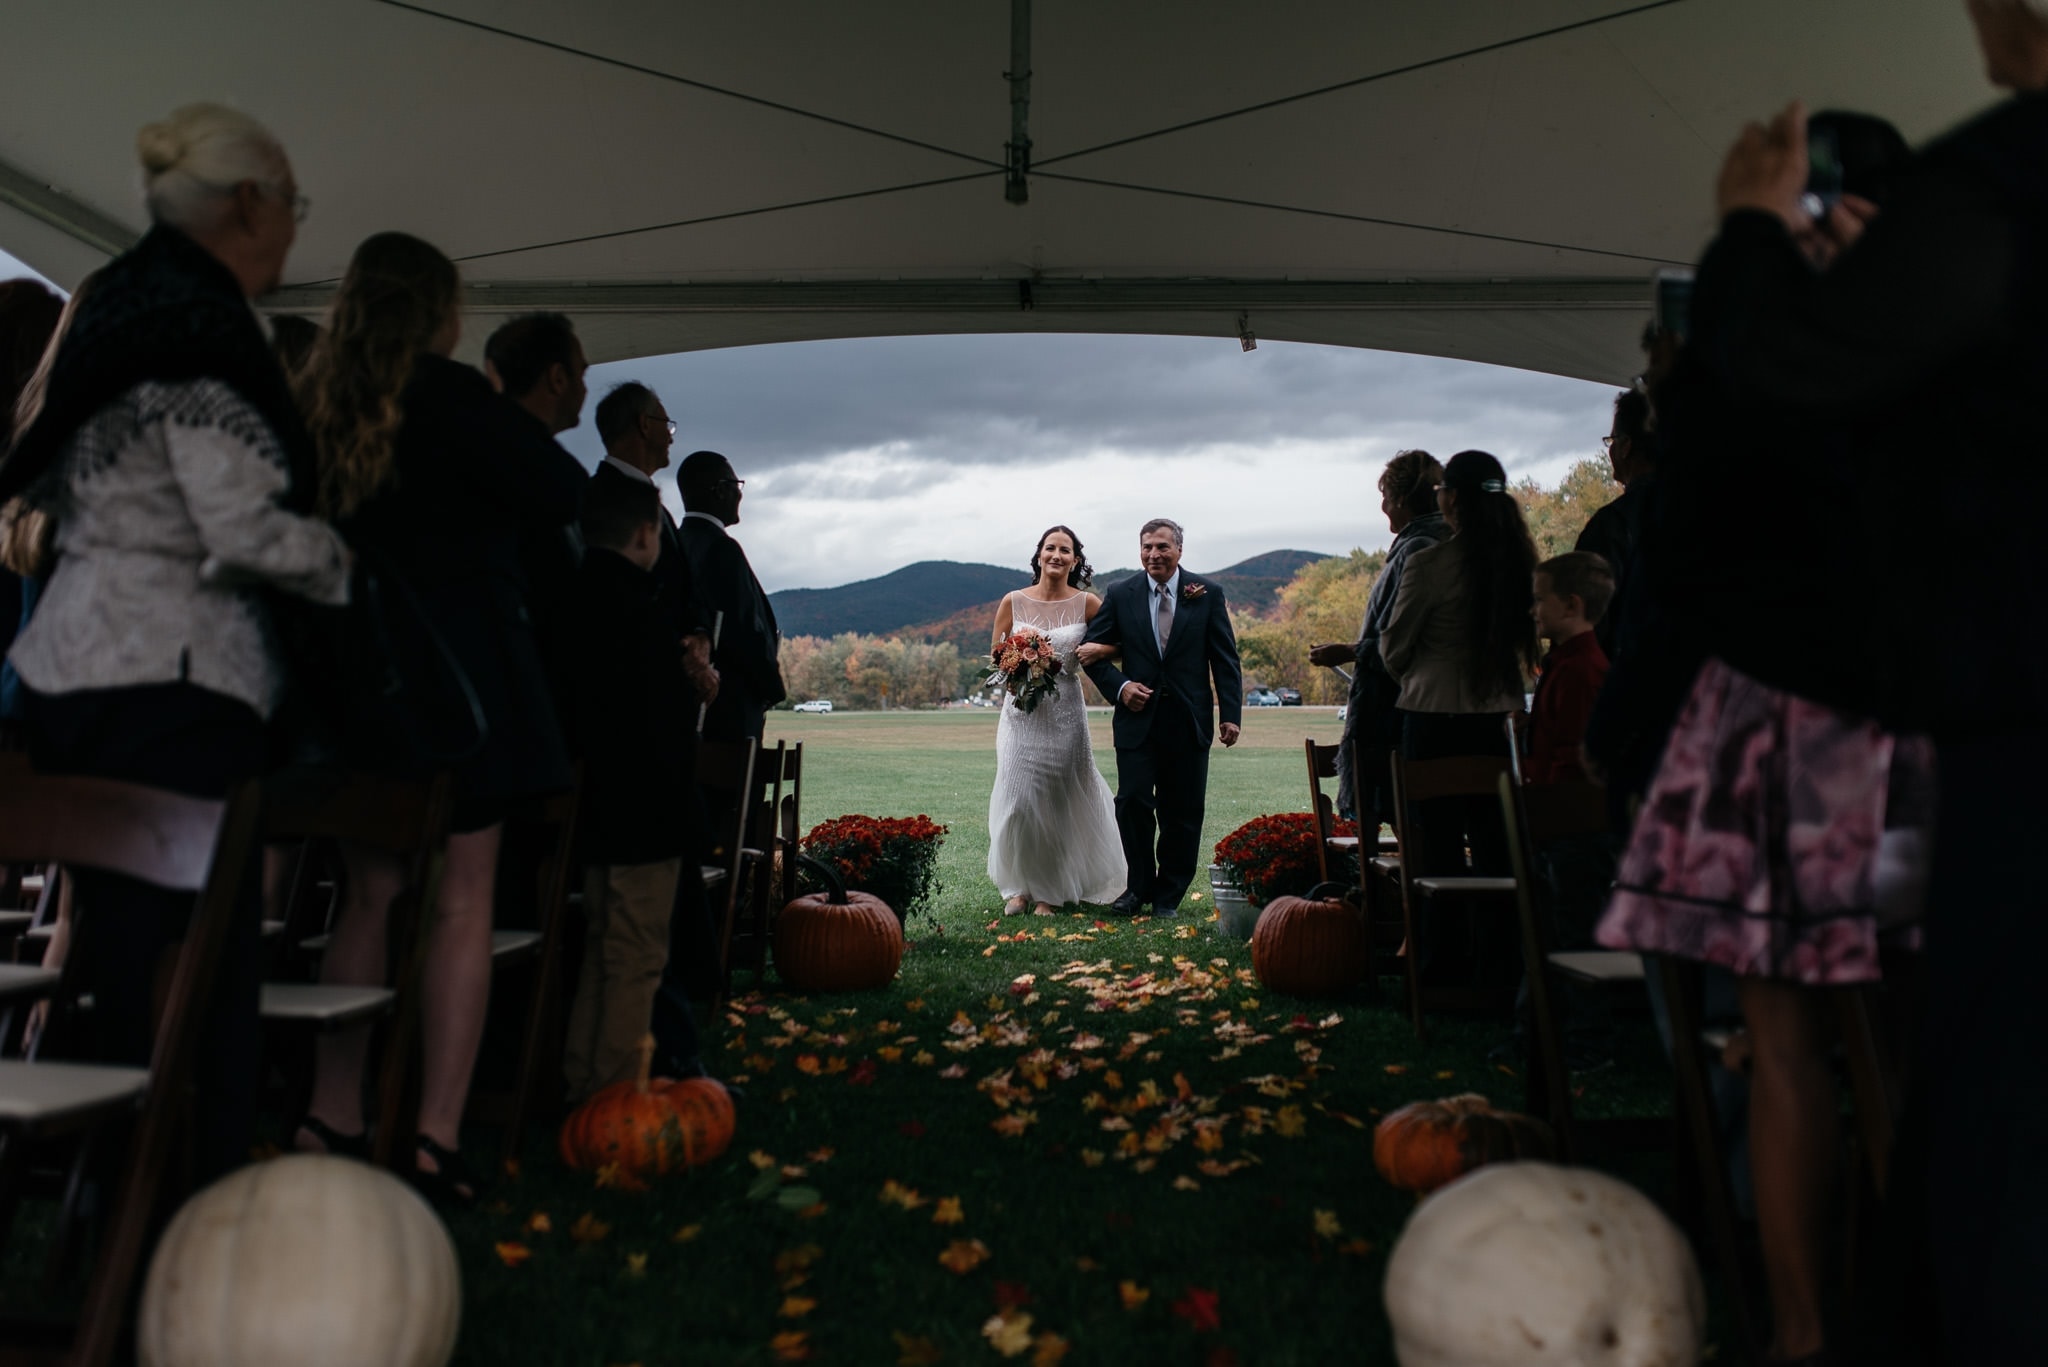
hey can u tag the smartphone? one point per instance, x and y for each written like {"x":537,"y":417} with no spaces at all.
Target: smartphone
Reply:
{"x":1672,"y":295}
{"x":1823,"y":172}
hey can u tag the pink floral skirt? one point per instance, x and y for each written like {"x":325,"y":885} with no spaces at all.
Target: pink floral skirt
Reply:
{"x":1780,"y":839}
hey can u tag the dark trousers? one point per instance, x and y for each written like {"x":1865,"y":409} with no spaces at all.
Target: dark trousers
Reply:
{"x":194,"y":741}
{"x":1449,"y":824}
{"x":1970,"y":1187}
{"x":1161,"y":787}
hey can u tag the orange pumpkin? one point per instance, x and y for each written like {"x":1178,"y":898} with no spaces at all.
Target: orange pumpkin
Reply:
{"x":703,"y":1110}
{"x":632,"y":1128}
{"x":837,"y":941}
{"x":1311,"y":946}
{"x":1430,"y":1144}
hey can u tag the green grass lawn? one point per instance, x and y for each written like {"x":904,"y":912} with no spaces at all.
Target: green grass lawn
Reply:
{"x":1161,"y":1161}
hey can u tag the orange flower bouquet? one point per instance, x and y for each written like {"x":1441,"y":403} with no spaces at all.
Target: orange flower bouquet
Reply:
{"x":1026,"y":667}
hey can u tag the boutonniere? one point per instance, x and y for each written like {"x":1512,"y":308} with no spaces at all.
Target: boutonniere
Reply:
{"x":1190,"y":591}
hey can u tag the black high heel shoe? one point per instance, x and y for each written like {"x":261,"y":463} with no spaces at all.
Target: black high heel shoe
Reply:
{"x":451,"y":1183}
{"x":332,"y":1141}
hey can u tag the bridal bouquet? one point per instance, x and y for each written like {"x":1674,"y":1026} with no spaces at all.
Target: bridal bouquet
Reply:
{"x":1025,"y":665}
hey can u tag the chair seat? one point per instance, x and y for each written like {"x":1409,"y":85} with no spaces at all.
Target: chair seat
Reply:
{"x":33,"y":1095}
{"x":1718,"y":1037}
{"x":1599,"y":965}
{"x":25,"y":983}
{"x":508,"y":943}
{"x":1466,"y":887}
{"x":714,"y":874}
{"x":15,"y":922}
{"x":272,"y":929}
{"x":39,"y":935}
{"x":1389,"y":864}
{"x":326,"y":1005}
{"x":32,"y":882}
{"x":1341,"y":842}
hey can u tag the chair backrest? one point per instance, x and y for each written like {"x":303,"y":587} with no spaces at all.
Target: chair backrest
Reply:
{"x":1517,"y":804}
{"x":1514,"y":723}
{"x":725,"y":771}
{"x":1322,"y":764}
{"x":1422,"y":780}
{"x":159,"y":837}
{"x":789,"y":818}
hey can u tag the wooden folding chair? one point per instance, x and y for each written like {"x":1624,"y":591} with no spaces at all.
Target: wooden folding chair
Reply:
{"x":1322,"y":764}
{"x":772,"y":821}
{"x":407,"y":818}
{"x":725,"y":772}
{"x":1534,"y":816}
{"x":175,"y":842}
{"x":788,"y":825}
{"x":1423,"y":781}
{"x":1379,"y":886}
{"x":540,"y":1051}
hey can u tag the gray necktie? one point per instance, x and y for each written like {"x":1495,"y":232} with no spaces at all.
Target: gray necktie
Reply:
{"x":1162,"y":615}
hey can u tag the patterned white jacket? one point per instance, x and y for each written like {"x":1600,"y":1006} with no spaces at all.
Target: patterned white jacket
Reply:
{"x":168,"y":516}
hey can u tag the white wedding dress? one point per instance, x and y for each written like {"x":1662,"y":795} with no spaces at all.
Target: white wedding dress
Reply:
{"x":1052,"y":832}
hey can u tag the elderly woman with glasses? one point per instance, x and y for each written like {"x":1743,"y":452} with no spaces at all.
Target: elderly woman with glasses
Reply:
{"x":170,"y":456}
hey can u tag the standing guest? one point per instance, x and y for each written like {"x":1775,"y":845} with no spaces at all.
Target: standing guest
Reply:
{"x":1371,"y":724}
{"x":750,"y":679}
{"x":163,"y":450}
{"x":637,"y":434}
{"x":1572,"y":595}
{"x":1460,"y":642}
{"x":638,"y":821}
{"x":1613,"y":531}
{"x":434,"y":478}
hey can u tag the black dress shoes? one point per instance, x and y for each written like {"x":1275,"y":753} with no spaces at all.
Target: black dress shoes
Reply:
{"x":1127,"y":905}
{"x":1165,"y":911}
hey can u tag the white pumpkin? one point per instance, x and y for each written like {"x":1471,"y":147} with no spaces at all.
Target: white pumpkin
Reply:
{"x":1535,"y":1265}
{"x":310,"y":1260}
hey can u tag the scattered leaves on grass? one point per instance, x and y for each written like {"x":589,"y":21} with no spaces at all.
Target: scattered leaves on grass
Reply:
{"x":1048,"y":1349}
{"x":796,"y":1307}
{"x":1290,"y":1122}
{"x":791,"y":1345}
{"x":688,"y":1232}
{"x":1395,"y":1069}
{"x":1014,"y":1124}
{"x":915,"y":1350}
{"x":513,"y":1254}
{"x":588,"y":1229}
{"x":894,"y":1193}
{"x":1008,"y":1333}
{"x":964,"y":1255}
{"x":538,"y":1223}
{"x":1132,"y":1294}
{"x":807,"y":1064}
{"x":1091,"y":1158}
{"x":1355,"y":1248}
{"x":1198,"y":1308}
{"x":948,"y":1212}
{"x":797,"y":1259}
{"x":1327,"y":1225}
{"x":636,"y":1264}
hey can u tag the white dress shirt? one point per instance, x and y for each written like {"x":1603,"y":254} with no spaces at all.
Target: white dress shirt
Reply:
{"x":1152,"y":588}
{"x":631,"y":471}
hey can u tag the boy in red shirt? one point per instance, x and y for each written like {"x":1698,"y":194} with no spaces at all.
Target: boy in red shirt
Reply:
{"x":1572,"y":594}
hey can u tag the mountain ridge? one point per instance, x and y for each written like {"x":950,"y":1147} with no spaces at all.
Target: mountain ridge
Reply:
{"x":954,"y":600}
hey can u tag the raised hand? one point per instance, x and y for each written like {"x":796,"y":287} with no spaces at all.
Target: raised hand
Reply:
{"x":1767,"y":169}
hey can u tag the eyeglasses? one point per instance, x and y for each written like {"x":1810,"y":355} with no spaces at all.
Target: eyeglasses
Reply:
{"x":669,"y":423}
{"x":300,"y":204}
{"x":735,"y":483}
{"x":1607,"y":443}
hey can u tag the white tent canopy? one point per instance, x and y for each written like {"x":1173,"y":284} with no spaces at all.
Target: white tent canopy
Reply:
{"x":1486,"y":179}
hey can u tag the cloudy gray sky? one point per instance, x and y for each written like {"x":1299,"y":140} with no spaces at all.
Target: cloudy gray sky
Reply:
{"x":868,"y":454}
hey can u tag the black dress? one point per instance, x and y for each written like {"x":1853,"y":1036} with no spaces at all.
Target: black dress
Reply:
{"x":473,"y":473}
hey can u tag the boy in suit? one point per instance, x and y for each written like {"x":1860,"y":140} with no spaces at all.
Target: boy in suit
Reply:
{"x":639,"y":803}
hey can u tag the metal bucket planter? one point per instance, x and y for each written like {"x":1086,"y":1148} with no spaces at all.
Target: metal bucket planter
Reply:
{"x":1235,"y":915}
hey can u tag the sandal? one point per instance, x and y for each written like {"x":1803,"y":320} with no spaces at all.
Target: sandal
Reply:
{"x":451,"y":1182}
{"x":332,"y":1141}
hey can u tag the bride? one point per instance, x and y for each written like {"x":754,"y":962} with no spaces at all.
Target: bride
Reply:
{"x":1052,"y":833}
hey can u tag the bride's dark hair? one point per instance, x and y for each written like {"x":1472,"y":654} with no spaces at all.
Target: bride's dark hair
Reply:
{"x":1081,"y":576}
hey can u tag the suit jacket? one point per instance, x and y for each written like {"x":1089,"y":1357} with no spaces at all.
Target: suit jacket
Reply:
{"x":748,"y":642}
{"x":1201,"y":647}
{"x":1424,"y":644}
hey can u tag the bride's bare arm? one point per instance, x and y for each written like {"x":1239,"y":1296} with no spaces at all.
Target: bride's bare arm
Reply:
{"x":1004,"y":620}
{"x":1093,"y":652}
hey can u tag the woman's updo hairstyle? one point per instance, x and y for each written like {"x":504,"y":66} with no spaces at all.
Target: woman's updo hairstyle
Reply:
{"x":1081,"y":576}
{"x":191,"y":158}
{"x":1500,"y":558}
{"x":1410,"y":481}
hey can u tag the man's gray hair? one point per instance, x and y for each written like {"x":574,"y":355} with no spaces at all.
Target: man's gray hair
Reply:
{"x":1163,"y":524}
{"x":195,"y":156}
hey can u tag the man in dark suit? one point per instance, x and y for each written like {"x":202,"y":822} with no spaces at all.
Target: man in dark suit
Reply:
{"x":748,"y":642}
{"x":637,"y":434}
{"x":1174,"y":634}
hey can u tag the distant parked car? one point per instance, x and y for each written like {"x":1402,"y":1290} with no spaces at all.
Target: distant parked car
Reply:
{"x":1342,"y":708}
{"x":814,"y":705}
{"x":1290,"y":697}
{"x":1262,"y":697}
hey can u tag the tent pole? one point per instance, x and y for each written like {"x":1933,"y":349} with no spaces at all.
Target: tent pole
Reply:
{"x":1018,"y":149}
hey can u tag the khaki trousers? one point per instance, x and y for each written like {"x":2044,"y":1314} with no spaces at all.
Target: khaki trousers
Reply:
{"x":624,"y":952}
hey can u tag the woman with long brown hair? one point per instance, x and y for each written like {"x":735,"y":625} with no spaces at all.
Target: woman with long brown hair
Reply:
{"x":433,"y":477}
